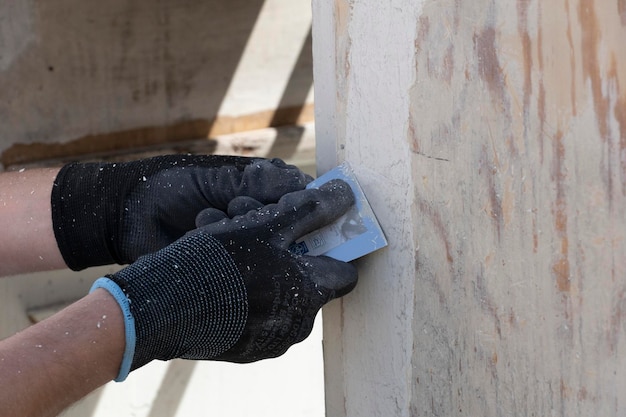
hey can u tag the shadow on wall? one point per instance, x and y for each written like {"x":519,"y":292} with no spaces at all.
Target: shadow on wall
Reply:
{"x":166,"y":401}
{"x":122,"y":75}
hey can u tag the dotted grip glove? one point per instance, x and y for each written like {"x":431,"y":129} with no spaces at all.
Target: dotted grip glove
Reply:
{"x":231,"y":290}
{"x":106,"y":213}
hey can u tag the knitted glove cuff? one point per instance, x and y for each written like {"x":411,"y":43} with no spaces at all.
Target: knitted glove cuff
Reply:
{"x":129,"y":323}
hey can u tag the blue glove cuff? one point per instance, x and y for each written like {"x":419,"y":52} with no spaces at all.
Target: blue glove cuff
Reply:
{"x":129,"y":323}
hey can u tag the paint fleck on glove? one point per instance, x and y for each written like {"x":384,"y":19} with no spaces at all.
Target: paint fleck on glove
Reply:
{"x":106,"y":213}
{"x":231,"y":290}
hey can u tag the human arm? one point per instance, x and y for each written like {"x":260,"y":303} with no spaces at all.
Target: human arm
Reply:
{"x":27,"y":242}
{"x":230,"y":290}
{"x":106,"y":213}
{"x":54,"y":363}
{"x":101,"y":213}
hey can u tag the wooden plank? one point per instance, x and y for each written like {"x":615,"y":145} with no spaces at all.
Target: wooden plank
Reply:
{"x":294,"y":144}
{"x":490,"y":138}
{"x":93,"y":77}
{"x":134,"y":140}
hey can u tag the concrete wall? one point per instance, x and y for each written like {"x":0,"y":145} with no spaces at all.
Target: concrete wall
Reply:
{"x":490,"y":138}
{"x":94,"y":77}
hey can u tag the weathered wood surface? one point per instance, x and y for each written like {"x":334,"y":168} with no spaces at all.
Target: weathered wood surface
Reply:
{"x":81,"y":77}
{"x":490,"y":137}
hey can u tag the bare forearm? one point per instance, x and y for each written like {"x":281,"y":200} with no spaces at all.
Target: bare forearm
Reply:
{"x":51,"y":365}
{"x":27,"y":242}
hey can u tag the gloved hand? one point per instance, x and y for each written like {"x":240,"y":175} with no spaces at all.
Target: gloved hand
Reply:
{"x":231,"y":290}
{"x":106,"y":213}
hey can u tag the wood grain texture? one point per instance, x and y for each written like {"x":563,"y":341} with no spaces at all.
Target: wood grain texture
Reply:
{"x":493,"y":137}
{"x":79,"y":77}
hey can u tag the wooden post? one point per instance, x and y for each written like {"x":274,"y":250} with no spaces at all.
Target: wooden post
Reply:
{"x":490,"y":138}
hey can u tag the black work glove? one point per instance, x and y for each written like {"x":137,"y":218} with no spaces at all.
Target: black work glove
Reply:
{"x":106,"y":213}
{"x":232,"y":290}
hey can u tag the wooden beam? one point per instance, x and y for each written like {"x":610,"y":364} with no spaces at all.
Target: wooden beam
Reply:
{"x":490,"y":139}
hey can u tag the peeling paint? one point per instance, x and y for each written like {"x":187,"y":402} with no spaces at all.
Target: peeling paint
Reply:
{"x":617,"y":323}
{"x":486,"y":302}
{"x":488,"y":61}
{"x":619,"y":112}
{"x":541,"y":94}
{"x":489,"y":170}
{"x":572,"y":59}
{"x":561,"y":266}
{"x":591,"y":38}
{"x":522,"y":29}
